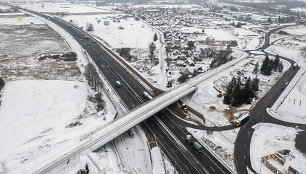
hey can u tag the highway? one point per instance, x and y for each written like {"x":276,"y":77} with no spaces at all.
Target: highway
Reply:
{"x":173,"y":143}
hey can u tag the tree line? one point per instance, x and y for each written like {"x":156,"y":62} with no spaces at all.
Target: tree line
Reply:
{"x":270,"y":65}
{"x":2,"y":83}
{"x":237,"y":93}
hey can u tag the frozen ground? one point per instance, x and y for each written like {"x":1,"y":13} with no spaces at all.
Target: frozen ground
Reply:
{"x":268,"y":139}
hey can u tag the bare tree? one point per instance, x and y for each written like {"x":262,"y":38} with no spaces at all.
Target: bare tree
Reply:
{"x":89,"y":27}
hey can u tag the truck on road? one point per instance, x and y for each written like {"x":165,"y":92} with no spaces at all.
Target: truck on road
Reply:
{"x":241,"y":120}
{"x":196,"y":145}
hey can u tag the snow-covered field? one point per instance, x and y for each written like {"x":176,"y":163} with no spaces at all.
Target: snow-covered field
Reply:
{"x":65,"y":8}
{"x":133,"y":34}
{"x":31,"y":107}
{"x":268,"y":139}
{"x":219,"y":34}
{"x":28,"y":36}
{"x":290,"y":46}
{"x":32,"y":110}
{"x":21,"y":19}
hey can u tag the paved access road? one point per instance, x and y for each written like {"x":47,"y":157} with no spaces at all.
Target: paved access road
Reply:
{"x":259,"y":114}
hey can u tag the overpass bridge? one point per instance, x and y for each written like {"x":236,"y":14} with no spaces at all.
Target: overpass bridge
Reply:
{"x":118,"y":127}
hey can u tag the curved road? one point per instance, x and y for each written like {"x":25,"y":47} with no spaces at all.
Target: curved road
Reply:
{"x":259,"y":114}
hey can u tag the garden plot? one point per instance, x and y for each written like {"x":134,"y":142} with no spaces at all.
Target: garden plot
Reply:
{"x":270,"y":139}
{"x":206,"y":100}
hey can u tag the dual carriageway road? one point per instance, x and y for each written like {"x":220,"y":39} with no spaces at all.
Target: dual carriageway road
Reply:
{"x":170,"y":135}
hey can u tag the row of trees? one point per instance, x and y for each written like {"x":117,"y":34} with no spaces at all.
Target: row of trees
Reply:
{"x":221,"y":57}
{"x":152,"y":49}
{"x":2,"y":83}
{"x":270,"y":65}
{"x":93,"y":77}
{"x":237,"y":94}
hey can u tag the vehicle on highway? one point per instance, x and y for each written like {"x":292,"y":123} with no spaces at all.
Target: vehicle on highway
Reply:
{"x":295,"y":65}
{"x":241,"y":120}
{"x":147,"y":95}
{"x":118,"y":83}
{"x":196,"y":145}
{"x":285,"y":85}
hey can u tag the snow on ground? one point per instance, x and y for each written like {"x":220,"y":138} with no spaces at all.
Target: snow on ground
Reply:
{"x":33,"y":107}
{"x":64,"y":7}
{"x":157,"y":160}
{"x":45,"y":107}
{"x":169,"y":6}
{"x":20,"y":38}
{"x":290,"y":106}
{"x":253,"y":44}
{"x":133,"y":34}
{"x":268,"y":139}
{"x":300,"y":9}
{"x":245,"y":32}
{"x":219,"y":34}
{"x":220,"y":143}
{"x":290,"y":45}
{"x":205,"y":99}
{"x":134,"y":151}
{"x":296,"y":30}
{"x":21,"y":19}
{"x":289,"y":52}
